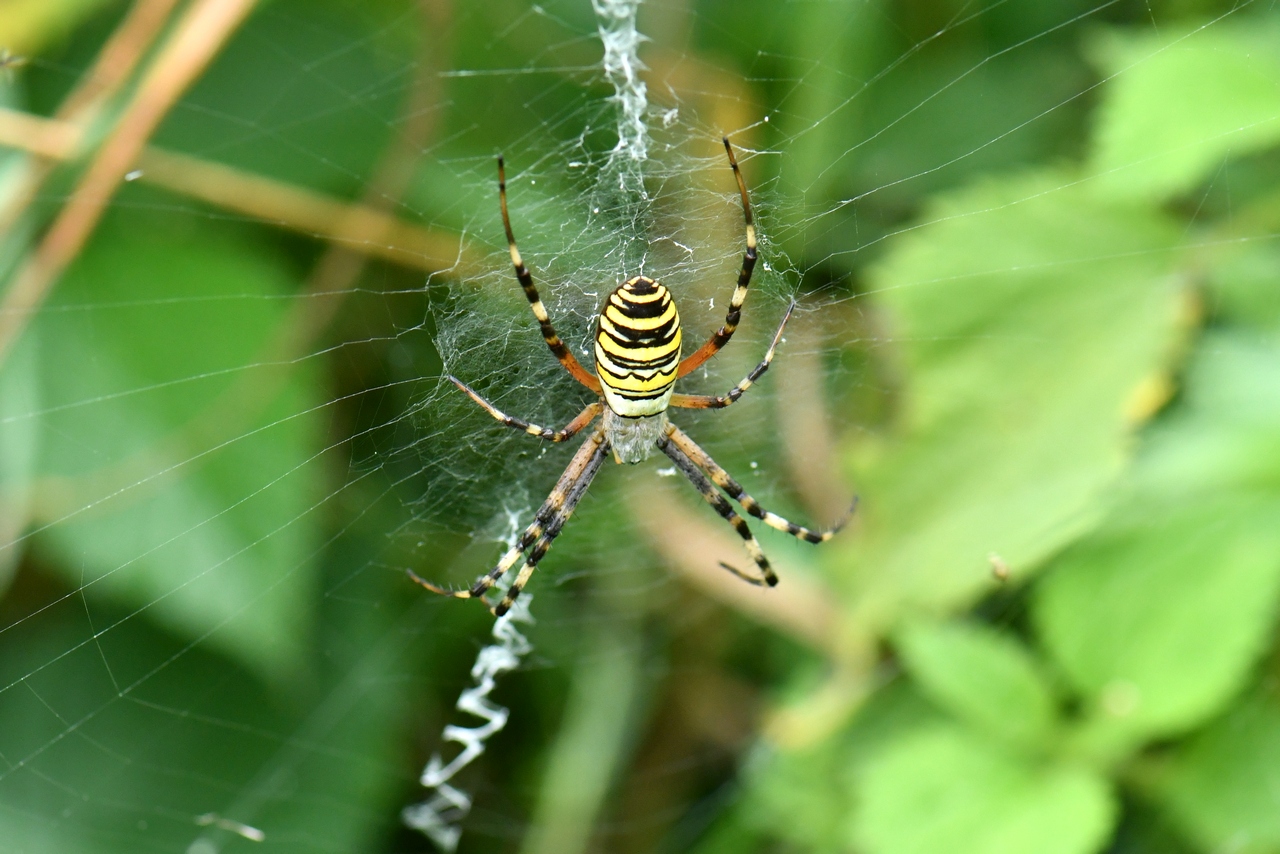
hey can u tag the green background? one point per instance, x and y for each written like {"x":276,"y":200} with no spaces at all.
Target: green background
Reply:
{"x":1035,"y":248}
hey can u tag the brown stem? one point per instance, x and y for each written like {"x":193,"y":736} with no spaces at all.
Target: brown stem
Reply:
{"x":356,"y":227}
{"x":117,"y":59}
{"x":198,"y":36}
{"x":113,"y":67}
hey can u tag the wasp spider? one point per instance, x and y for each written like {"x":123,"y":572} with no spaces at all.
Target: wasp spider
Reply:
{"x":637,"y":350}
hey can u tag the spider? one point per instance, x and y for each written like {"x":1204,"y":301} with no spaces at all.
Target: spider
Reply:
{"x":637,"y":354}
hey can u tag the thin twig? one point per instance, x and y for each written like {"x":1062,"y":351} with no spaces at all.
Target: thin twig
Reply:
{"x":198,"y":36}
{"x":238,"y":407}
{"x":97,"y":86}
{"x":48,"y":138}
{"x":117,"y":59}
{"x":355,"y":227}
{"x":369,"y":229}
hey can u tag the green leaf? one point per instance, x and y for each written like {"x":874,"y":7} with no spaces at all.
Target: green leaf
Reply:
{"x":1225,"y":438}
{"x":1158,"y":624}
{"x":1031,"y":316}
{"x":982,"y":676}
{"x":186,"y":467}
{"x":1177,"y":104}
{"x":943,"y":789}
{"x":803,"y":796}
{"x":1221,"y":786}
{"x":1158,"y":617}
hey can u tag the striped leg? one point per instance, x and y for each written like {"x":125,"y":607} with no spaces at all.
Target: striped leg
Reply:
{"x":546,"y":525}
{"x":558,"y":348}
{"x":691,"y":471}
{"x":707,"y":401}
{"x":584,"y":418}
{"x":723,"y":480}
{"x":724,"y":333}
{"x":540,"y":548}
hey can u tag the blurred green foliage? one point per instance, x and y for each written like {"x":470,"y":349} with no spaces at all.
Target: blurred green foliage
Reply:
{"x":1057,"y":218}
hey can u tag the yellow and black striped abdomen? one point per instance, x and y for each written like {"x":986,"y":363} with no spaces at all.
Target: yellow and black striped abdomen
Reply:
{"x":638,"y":348}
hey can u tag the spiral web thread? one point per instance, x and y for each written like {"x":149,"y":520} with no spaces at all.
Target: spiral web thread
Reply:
{"x":441,"y":815}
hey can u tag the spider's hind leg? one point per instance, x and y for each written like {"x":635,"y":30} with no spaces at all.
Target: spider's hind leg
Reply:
{"x":548,"y":521}
{"x":570,"y":489}
{"x":726,"y":482}
{"x":704,"y":486}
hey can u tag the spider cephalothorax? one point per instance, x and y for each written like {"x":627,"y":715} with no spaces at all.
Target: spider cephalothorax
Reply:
{"x":637,"y":356}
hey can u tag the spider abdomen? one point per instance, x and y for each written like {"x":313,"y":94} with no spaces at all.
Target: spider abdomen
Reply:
{"x":638,"y":348}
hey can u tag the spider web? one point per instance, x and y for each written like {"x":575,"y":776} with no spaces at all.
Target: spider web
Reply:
{"x":208,"y":640}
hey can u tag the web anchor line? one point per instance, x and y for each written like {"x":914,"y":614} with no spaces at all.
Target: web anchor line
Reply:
{"x":441,"y":815}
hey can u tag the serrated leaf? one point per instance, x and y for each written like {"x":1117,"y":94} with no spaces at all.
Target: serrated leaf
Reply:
{"x":1158,"y":617}
{"x":1029,"y":314}
{"x":983,"y":677}
{"x":185,"y":472}
{"x":1177,"y":104}
{"x":942,"y":789}
{"x":1221,"y":786}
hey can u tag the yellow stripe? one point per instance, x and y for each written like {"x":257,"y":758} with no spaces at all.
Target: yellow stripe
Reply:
{"x":637,"y":354}
{"x":653,"y":357}
{"x":639,"y":324}
{"x":658,"y":381}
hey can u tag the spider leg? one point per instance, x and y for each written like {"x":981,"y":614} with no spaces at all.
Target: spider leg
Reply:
{"x":726,"y":482}
{"x":557,"y":521}
{"x":707,"y":401}
{"x":584,"y":418}
{"x":546,"y":525}
{"x":691,"y":471}
{"x":562,"y":353}
{"x":724,"y":333}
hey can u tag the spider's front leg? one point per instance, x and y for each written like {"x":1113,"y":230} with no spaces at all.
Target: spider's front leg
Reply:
{"x":558,"y":348}
{"x":724,"y":333}
{"x":706,"y":401}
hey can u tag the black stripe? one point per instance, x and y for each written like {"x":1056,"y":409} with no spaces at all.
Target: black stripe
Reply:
{"x":636,"y":338}
{"x":639,"y":310}
{"x":624,"y":362}
{"x":662,"y":368}
{"x":640,"y":285}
